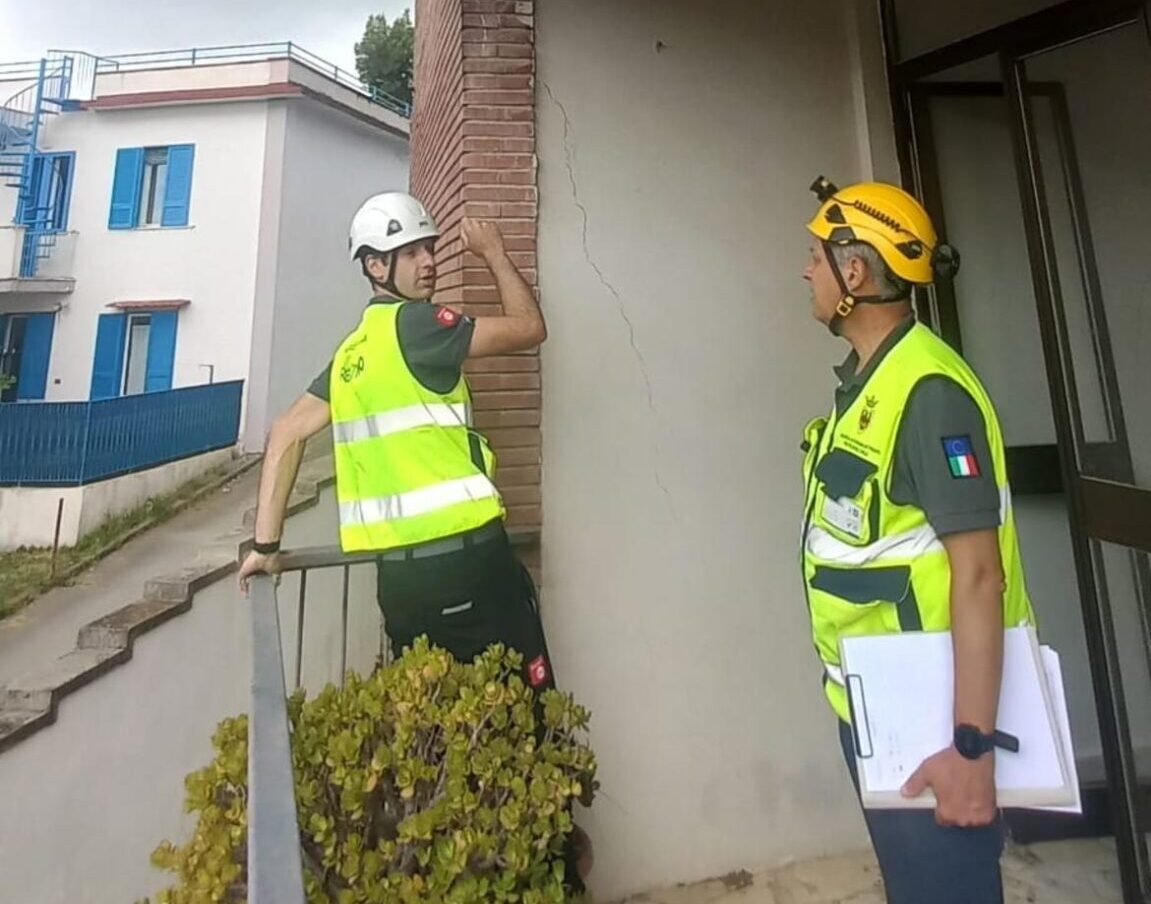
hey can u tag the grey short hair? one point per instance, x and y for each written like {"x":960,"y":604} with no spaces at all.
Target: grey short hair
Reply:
{"x":888,"y":284}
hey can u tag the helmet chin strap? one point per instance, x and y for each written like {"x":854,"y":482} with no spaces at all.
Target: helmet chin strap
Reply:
{"x":847,"y":299}
{"x":389,"y":284}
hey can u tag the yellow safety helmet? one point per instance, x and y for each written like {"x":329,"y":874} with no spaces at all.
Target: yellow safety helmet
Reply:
{"x":889,"y":220}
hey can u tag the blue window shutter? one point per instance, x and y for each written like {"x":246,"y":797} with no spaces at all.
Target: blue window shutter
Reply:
{"x":161,"y":351}
{"x":108,"y":361}
{"x":178,"y":191}
{"x":126,"y":188}
{"x":33,"y":378}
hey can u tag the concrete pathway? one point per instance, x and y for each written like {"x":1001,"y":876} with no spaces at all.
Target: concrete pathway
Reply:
{"x":1062,"y":872}
{"x":47,"y":629}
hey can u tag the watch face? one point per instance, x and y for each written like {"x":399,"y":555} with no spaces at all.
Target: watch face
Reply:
{"x":970,"y":743}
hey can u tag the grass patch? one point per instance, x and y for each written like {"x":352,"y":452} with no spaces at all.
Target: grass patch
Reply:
{"x":25,"y":573}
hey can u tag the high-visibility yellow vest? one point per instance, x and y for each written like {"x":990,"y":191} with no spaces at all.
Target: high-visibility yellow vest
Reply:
{"x":409,"y":467}
{"x":873,"y":566}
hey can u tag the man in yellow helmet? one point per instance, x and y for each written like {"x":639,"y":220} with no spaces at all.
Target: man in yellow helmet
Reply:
{"x":908,"y":526}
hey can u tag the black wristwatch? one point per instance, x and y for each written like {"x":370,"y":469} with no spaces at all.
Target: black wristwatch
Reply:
{"x":266,"y":549}
{"x":972,"y":743}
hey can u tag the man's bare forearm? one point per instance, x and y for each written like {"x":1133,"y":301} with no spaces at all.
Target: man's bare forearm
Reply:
{"x":277,"y":477}
{"x":977,"y":640}
{"x":516,"y":295}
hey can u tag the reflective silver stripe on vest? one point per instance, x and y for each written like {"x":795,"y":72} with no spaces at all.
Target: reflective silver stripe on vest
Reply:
{"x":834,"y":673}
{"x":907,"y":545}
{"x":363,"y":512}
{"x":400,"y":419}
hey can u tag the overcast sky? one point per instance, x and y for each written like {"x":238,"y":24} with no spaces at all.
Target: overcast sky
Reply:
{"x":107,"y":27}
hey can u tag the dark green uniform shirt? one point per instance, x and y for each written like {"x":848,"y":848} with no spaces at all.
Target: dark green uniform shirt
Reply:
{"x":937,"y":408}
{"x":434,"y":342}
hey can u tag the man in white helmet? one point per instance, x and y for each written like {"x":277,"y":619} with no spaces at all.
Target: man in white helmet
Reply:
{"x":414,"y":481}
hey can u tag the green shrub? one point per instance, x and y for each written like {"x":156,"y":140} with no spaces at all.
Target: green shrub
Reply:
{"x":430,"y":780}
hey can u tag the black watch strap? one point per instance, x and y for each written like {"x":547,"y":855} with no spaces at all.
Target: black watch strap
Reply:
{"x":972,"y":743}
{"x":266,"y":549}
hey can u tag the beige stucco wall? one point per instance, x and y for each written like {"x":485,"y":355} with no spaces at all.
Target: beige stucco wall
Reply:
{"x":682,"y":366}
{"x":87,"y":799}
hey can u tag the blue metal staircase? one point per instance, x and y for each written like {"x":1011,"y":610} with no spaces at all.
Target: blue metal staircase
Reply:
{"x":22,"y":166}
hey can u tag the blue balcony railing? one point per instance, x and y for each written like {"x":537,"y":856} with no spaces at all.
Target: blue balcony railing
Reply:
{"x":73,"y":443}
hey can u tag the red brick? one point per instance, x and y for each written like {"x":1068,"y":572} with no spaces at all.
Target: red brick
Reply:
{"x":504,"y":382}
{"x":482,"y":81}
{"x":497,"y":161}
{"x":497,"y":36}
{"x":499,"y":193}
{"x":495,"y":6}
{"x":499,"y":114}
{"x":515,"y":97}
{"x":497,"y":65}
{"x":497,"y":145}
{"x":520,"y":418}
{"x":504,"y":19}
{"x":517,"y":475}
{"x":499,"y":177}
{"x":486,"y":211}
{"x":515,"y":51}
{"x":524,"y":455}
{"x":506,"y":400}
{"x":479,"y":128}
{"x":526,"y":210}
{"x":513,"y":437}
{"x":520,"y":495}
{"x":528,"y":362}
{"x":476,"y":49}
{"x":520,"y":242}
{"x":481,"y":20}
{"x":525,"y":516}
{"x":518,"y":227}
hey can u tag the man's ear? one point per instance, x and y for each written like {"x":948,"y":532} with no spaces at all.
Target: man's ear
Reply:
{"x":856,"y":272}
{"x":376,"y":266}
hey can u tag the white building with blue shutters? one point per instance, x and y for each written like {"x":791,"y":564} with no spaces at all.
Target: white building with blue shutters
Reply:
{"x":178,"y":218}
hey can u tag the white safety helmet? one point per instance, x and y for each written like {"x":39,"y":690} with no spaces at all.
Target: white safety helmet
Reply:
{"x":389,"y":221}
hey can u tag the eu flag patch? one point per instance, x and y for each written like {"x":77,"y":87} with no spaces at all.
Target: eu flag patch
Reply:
{"x":961,"y":458}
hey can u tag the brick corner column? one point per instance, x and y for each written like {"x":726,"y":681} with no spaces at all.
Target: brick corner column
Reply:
{"x":473,"y":154}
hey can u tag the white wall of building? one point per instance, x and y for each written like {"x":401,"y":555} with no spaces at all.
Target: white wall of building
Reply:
{"x":681,"y":367}
{"x":105,"y":784}
{"x":309,"y":295}
{"x":211,"y":262}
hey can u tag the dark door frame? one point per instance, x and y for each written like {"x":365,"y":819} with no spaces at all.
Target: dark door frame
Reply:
{"x":1099,"y":510}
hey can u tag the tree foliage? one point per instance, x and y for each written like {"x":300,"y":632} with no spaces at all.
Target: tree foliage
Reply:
{"x":384,"y":55}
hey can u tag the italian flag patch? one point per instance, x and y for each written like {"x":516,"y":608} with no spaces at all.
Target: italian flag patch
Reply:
{"x":961,"y":458}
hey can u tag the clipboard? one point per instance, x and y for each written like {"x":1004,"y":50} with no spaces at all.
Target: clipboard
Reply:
{"x":900,"y":690}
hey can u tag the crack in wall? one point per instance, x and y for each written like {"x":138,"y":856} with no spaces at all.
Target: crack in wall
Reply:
{"x":569,"y":161}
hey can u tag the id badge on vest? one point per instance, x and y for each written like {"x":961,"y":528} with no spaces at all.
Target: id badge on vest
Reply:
{"x":845,"y":515}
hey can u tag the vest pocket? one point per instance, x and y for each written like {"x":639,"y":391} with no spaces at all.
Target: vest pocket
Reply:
{"x":849,"y":507}
{"x":867,"y":587}
{"x":843,"y":474}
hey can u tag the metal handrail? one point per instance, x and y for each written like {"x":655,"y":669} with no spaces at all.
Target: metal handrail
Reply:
{"x":275,"y":872}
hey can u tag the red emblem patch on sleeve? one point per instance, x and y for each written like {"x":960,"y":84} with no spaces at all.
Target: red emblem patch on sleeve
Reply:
{"x":538,"y":671}
{"x":446,"y":316}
